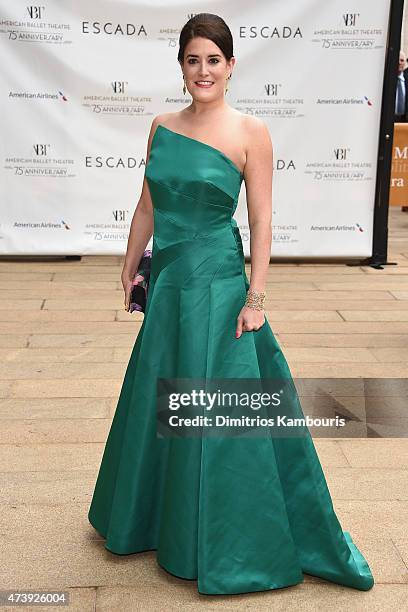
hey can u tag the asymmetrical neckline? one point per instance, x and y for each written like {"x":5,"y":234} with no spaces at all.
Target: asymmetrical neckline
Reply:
{"x":204,"y":144}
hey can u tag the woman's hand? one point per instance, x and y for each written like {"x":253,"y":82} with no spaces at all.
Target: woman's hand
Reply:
{"x":127,"y":283}
{"x":249,"y":319}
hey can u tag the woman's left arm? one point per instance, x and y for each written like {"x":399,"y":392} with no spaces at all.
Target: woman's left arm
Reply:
{"x":258,"y":174}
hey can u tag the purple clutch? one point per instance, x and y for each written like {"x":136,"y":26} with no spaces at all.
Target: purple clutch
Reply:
{"x":138,"y":294}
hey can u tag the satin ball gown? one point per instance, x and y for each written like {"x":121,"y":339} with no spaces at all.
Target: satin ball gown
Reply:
{"x":237,"y":515}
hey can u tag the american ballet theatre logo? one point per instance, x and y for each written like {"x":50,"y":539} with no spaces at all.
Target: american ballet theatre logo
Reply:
{"x":340,"y":166}
{"x":278,"y":407}
{"x":117,"y":98}
{"x":41,"y":160}
{"x":120,"y":215}
{"x":350,"y":31}
{"x":119,"y":86}
{"x":35,"y":24}
{"x":116,"y":228}
{"x":273,"y":100}
{"x":282,"y":233}
{"x":285,"y":233}
{"x":36,"y":12}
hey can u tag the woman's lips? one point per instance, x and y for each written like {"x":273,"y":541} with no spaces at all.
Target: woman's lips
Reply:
{"x":204,"y":86}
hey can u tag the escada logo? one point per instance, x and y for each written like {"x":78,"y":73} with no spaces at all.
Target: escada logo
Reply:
{"x":127,"y":29}
{"x":269,"y":32}
{"x":350,"y":19}
{"x":36,"y":12}
{"x":281,"y":164}
{"x":111,"y":162}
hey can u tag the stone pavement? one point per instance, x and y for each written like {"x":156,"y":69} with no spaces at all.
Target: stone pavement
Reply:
{"x":64,"y":343}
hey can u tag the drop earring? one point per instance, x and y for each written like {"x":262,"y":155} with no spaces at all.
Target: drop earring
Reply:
{"x":184,"y":86}
{"x":226,"y":83}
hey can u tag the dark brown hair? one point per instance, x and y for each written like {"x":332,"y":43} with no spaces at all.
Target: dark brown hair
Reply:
{"x":209,"y":26}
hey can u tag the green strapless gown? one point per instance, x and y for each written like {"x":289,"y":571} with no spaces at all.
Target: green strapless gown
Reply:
{"x":237,"y":515}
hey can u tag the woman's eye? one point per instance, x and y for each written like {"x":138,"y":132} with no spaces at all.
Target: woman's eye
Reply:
{"x":213,"y":60}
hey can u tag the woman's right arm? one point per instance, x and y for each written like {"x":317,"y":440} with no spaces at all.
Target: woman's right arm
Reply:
{"x":141,"y":229}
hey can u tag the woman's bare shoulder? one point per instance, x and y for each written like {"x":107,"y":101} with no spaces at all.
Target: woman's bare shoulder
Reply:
{"x":254,"y":128}
{"x":166,"y":119}
{"x":251,"y":134}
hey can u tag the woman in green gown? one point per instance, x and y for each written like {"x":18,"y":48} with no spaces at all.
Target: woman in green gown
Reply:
{"x":236,"y":513}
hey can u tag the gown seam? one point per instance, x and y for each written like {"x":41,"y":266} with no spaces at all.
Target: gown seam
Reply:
{"x":209,"y":344}
{"x":192,"y":197}
{"x":170,"y":219}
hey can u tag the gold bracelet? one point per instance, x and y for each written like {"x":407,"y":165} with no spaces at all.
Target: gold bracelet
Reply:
{"x":255,"y":299}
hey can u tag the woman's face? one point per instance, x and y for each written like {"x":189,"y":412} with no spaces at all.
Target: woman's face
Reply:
{"x":205,"y":69}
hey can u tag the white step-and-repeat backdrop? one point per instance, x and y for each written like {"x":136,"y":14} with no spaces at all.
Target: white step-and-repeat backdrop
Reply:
{"x":81,"y":82}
